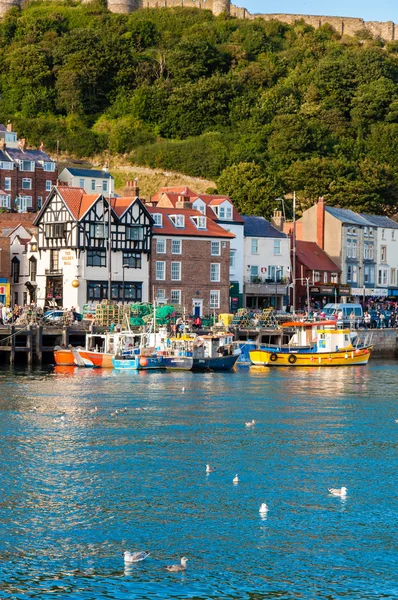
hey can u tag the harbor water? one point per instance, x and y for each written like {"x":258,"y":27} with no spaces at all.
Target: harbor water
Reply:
{"x":80,"y":488}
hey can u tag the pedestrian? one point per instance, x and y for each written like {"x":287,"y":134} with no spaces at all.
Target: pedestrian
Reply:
{"x":352,"y":320}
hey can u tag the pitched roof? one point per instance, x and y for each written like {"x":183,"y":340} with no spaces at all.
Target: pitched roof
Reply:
{"x":380,"y":221}
{"x":179,"y":190}
{"x":189,"y":229}
{"x":98,"y":174}
{"x":347,"y":216}
{"x":314,"y":258}
{"x":3,"y":127}
{"x":260,"y":227}
{"x":3,"y":156}
{"x":28,"y":154}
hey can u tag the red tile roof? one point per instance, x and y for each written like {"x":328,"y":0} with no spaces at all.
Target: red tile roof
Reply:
{"x":73,"y":198}
{"x":190,"y":229}
{"x":314,"y":258}
{"x":79,"y":202}
{"x":179,"y":190}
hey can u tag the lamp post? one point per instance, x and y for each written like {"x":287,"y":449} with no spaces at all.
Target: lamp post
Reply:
{"x":126,"y":266}
{"x":307,"y":280}
{"x":109,"y":236}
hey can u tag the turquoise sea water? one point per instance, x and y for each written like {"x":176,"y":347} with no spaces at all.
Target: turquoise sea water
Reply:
{"x":75,"y":494}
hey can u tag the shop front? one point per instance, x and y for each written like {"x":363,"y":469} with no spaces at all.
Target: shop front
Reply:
{"x":260,"y":295}
{"x":54,"y":290}
{"x":5,"y":292}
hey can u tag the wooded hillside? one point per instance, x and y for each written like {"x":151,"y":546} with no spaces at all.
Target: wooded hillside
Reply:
{"x":261,"y":107}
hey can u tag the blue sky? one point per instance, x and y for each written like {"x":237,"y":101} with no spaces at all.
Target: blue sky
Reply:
{"x":370,"y":10}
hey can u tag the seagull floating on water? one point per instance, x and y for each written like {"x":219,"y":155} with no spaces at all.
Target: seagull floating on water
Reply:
{"x":183,"y":389}
{"x":132,"y":557}
{"x":250,"y":423}
{"x":235,"y":479}
{"x":210,"y":469}
{"x":263,"y":508}
{"x":122,"y":410}
{"x":342,"y":492}
{"x":176,"y":568}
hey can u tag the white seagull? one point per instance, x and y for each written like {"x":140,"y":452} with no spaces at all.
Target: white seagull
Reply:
{"x":235,"y":479}
{"x":183,"y":389}
{"x":132,"y":557}
{"x":176,"y":568}
{"x":263,"y":508}
{"x":210,"y":469}
{"x":250,"y":423}
{"x":342,"y":492}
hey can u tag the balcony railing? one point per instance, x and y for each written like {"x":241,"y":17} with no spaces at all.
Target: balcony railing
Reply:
{"x":53,"y":272}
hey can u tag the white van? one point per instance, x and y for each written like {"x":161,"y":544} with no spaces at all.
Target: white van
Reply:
{"x":347,"y":309}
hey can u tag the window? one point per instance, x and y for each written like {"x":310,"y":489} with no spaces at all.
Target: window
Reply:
{"x":369,"y":274}
{"x":254,"y":246}
{"x":55,"y":230}
{"x":26,"y":165}
{"x":161,"y":294}
{"x":26,"y":184}
{"x":157,"y":217}
{"x":393,"y":235}
{"x":383,"y":254}
{"x":325,"y":277}
{"x":175,"y":271}
{"x":132,"y":260}
{"x":277,"y":247}
{"x":7,"y":184}
{"x":365,"y":231}
{"x":253,"y":273}
{"x":15,"y":269}
{"x":354,"y":274}
{"x":161,"y":246}
{"x":175,"y":296}
{"x":348,"y":248}
{"x":131,"y":291}
{"x":232,"y":259}
{"x":214,"y":299}
{"x":177,"y":220}
{"x":176,"y":246}
{"x":354,"y":248}
{"x":25,"y":202}
{"x":370,"y":251}
{"x":200,"y":207}
{"x":134,"y":232}
{"x":96,"y":258}
{"x":214,"y":271}
{"x":334,"y":278}
{"x":228,"y":212}
{"x":215,"y":249}
{"x":370,"y":230}
{"x":160,"y":270}
{"x":5,"y":201}
{"x":81,"y":183}
{"x":221,"y":212}
{"x":6,"y":165}
{"x":32,"y":268}
{"x":383,"y":234}
{"x":383,"y":277}
{"x":352,"y":230}
{"x":93,"y":185}
{"x":317,"y":276}
{"x":392,"y":277}
{"x":54,"y":260}
{"x":199,"y":222}
{"x":48,"y":185}
{"x":98,"y":231}
{"x":49,"y":166}
{"x":104,"y":185}
{"x":39,"y":201}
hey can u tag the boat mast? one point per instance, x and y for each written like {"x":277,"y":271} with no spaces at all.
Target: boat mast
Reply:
{"x":294,"y":254}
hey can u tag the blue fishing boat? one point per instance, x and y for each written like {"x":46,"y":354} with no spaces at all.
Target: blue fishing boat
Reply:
{"x":138,"y":362}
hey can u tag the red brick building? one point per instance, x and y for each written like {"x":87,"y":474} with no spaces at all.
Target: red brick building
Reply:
{"x":190,"y":260}
{"x":26,"y":176}
{"x":316,"y":267}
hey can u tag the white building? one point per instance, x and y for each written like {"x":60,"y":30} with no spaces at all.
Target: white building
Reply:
{"x":385,"y":237}
{"x":67,"y":262}
{"x":266,"y":264}
{"x":91,"y":180}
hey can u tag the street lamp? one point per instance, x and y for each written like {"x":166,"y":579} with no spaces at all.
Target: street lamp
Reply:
{"x":126,"y":266}
{"x":109,"y":239}
{"x":293,"y":286}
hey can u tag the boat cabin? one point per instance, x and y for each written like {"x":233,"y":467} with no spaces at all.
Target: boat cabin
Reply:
{"x":323,"y":336}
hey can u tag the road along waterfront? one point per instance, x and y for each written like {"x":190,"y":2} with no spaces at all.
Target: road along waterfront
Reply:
{"x":79,"y":491}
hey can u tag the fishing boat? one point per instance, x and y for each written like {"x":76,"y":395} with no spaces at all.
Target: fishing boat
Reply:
{"x":321,"y":343}
{"x":190,"y":352}
{"x":99,"y":350}
{"x":138,"y":362}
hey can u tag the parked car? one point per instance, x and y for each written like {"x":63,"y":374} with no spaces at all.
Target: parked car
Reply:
{"x":59,"y":316}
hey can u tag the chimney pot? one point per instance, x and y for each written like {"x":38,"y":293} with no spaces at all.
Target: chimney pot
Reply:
{"x":9,"y":126}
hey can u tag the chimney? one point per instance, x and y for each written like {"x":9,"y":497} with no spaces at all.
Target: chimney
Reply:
{"x":42,"y":146}
{"x":22,"y":144}
{"x":320,"y":223}
{"x":2,"y":144}
{"x":136,"y":189}
{"x":9,"y":126}
{"x":277,"y":219}
{"x":131,"y":189}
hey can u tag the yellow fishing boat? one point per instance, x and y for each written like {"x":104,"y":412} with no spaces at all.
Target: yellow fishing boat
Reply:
{"x":320,"y":343}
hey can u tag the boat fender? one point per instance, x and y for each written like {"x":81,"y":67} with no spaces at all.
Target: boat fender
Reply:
{"x":273,"y":357}
{"x":292,"y":359}
{"x":346,"y":355}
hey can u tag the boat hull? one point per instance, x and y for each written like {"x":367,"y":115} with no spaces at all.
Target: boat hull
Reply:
{"x":341,"y":358}
{"x":138,"y":363}
{"x":65,"y":358}
{"x":219,"y":363}
{"x":178,"y":363}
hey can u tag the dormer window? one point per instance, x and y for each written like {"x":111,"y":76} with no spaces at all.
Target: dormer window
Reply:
{"x":225,"y":212}
{"x":27,"y":165}
{"x":49,"y":166}
{"x":200,"y":222}
{"x":158,"y":219}
{"x":352,"y":230}
{"x":370,"y":231}
{"x":177,"y":220}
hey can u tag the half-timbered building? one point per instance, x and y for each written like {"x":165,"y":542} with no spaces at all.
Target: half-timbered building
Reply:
{"x":73,"y":257}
